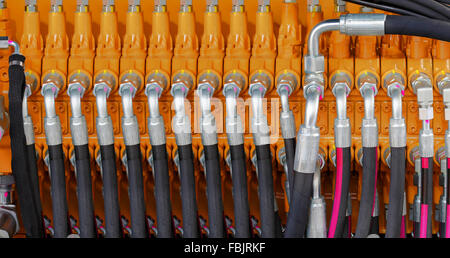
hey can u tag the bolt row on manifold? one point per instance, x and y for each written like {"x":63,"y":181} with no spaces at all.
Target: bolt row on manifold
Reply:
{"x":106,"y":73}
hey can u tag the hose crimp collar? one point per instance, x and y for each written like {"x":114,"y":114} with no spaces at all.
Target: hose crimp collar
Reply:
{"x":78,"y":128}
{"x":342,"y":133}
{"x":426,"y":143}
{"x":287,"y":123}
{"x":363,"y":24}
{"x":397,"y":133}
{"x":447,"y":143}
{"x":307,"y":149}
{"x":369,"y":133}
{"x":105,"y":131}
{"x":317,"y":219}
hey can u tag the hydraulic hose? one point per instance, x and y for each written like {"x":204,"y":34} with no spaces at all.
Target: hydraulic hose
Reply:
{"x":416,"y":26}
{"x":396,"y":193}
{"x":214,"y":192}
{"x":108,"y":161}
{"x":426,"y":206}
{"x":289,"y":146}
{"x":31,"y":216}
{"x":240,"y":192}
{"x":110,"y":192}
{"x":191,"y":227}
{"x":84,"y":192}
{"x":369,"y":182}
{"x":447,"y":221}
{"x":136,"y":192}
{"x":58,"y":191}
{"x":343,"y":162}
{"x":162,"y":192}
{"x":265,"y":190}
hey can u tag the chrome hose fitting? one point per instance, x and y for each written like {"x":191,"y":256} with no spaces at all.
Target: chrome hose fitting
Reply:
{"x":317,"y":225}
{"x":78,"y":126}
{"x":441,"y":214}
{"x":443,"y":83}
{"x":181,"y":122}
{"x":422,"y":87}
{"x":341,"y":84}
{"x":102,"y":88}
{"x":231,"y":90}
{"x":368,"y":86}
{"x":286,"y":84}
{"x":259,"y":84}
{"x":185,"y":6}
{"x":156,"y":83}
{"x":52,"y":125}
{"x":9,"y":222}
{"x":238,"y":6}
{"x":394,"y":84}
{"x":263,"y":6}
{"x":208,"y":82}
{"x":130,"y":84}
{"x":160,"y":6}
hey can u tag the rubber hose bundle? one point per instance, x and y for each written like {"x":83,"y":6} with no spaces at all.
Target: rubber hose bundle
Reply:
{"x":113,"y":223}
{"x":240,"y":192}
{"x":300,"y":204}
{"x":58,"y":191}
{"x":162,"y":192}
{"x":265,"y":190}
{"x":86,"y":214}
{"x":136,"y":191}
{"x":343,"y":160}
{"x":289,"y":146}
{"x":188,"y":194}
{"x":396,"y":193}
{"x":214,"y":192}
{"x":369,"y":188}
{"x":21,"y":169}
{"x":426,"y":198}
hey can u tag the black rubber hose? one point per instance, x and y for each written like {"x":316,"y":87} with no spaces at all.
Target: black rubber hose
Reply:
{"x":136,"y":192}
{"x":427,"y":194}
{"x":278,"y":226}
{"x":386,"y":8}
{"x":110,"y":192}
{"x":435,"y":6}
{"x":289,"y":147}
{"x":31,"y":217}
{"x":347,"y":227}
{"x":343,"y":162}
{"x":86,"y":213}
{"x":214,"y":192}
{"x":162,"y":192}
{"x":442,"y":229}
{"x":34,"y":178}
{"x":415,"y":26}
{"x":189,"y":208}
{"x":396,"y":193}
{"x":240,"y":192}
{"x":374,"y":226}
{"x":58,"y":191}
{"x":366,"y":204}
{"x":300,"y":204}
{"x":415,"y":7}
{"x":265,"y":190}
{"x":416,"y":229}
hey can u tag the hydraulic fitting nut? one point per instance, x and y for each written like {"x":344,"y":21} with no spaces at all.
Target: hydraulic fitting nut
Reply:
{"x":286,"y":82}
{"x":368,"y":81}
{"x":341,"y":79}
{"x":31,"y":81}
{"x":393,"y":80}
{"x":182,"y":80}
{"x":236,"y":81}
{"x":130,"y":82}
{"x":314,"y":64}
{"x":261,"y":82}
{"x":156,"y":81}
{"x":314,"y":82}
{"x":53,"y":81}
{"x":79,"y":81}
{"x":367,"y":24}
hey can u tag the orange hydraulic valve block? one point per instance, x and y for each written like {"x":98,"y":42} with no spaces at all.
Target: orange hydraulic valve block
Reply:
{"x":54,"y":68}
{"x":132,"y":67}
{"x":262,"y":70}
{"x":420,"y":73}
{"x":210,"y":67}
{"x":158,"y":69}
{"x":236,"y":69}
{"x":441,"y":54}
{"x":288,"y":70}
{"x":184,"y":74}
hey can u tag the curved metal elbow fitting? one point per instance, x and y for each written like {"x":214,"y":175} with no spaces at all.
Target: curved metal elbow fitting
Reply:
{"x":286,"y":84}
{"x":260,"y":128}
{"x":205,"y":92}
{"x":315,"y":62}
{"x":181,"y":123}
{"x":317,"y":225}
{"x":78,"y":125}
{"x":130,"y":126}
{"x":368,"y":86}
{"x":341,"y":83}
{"x":155,"y":121}
{"x":234,"y":126}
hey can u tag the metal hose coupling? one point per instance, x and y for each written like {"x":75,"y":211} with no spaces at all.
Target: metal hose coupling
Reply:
{"x":283,"y":163}
{"x":317,"y":224}
{"x":394,"y":84}
{"x":102,"y":88}
{"x":415,"y":157}
{"x":423,"y":88}
{"x":341,"y":84}
{"x":368,"y":86}
{"x":9,"y":223}
{"x":181,"y":123}
{"x":208,"y":82}
{"x":260,"y":128}
{"x":233,"y":84}
{"x":31,"y":84}
{"x":50,"y":88}
{"x":156,"y":83}
{"x":286,"y":84}
{"x":309,"y":134}
{"x":443,"y":83}
{"x":441,"y":214}
{"x":78,"y":126}
{"x":129,"y":85}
